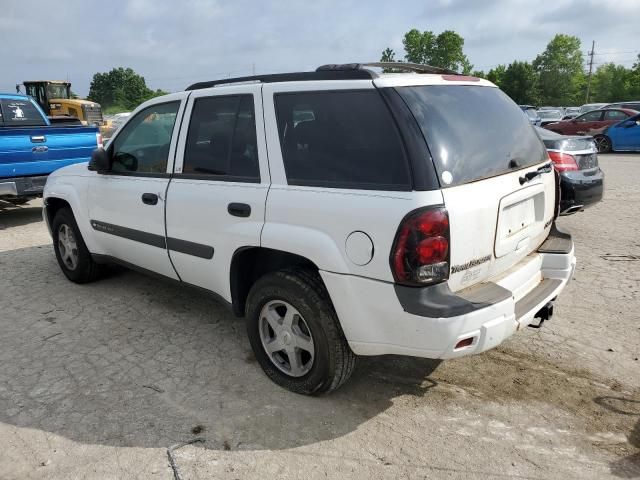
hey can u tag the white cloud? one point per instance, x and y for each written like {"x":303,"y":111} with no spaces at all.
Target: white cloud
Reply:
{"x":176,"y":43}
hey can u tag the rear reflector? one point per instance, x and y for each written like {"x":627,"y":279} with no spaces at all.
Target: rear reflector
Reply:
{"x":563,"y":162}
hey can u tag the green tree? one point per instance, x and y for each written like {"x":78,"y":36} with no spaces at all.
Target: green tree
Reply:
{"x":610,"y":84}
{"x":496,"y":74}
{"x":121,"y":87}
{"x":633,"y":81}
{"x":560,"y":70}
{"x":388,"y":55}
{"x":445,"y":50}
{"x":520,"y":82}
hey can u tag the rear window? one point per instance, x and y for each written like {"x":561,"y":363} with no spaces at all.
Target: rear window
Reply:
{"x":473,"y":132}
{"x":341,"y":139}
{"x":20,"y":113}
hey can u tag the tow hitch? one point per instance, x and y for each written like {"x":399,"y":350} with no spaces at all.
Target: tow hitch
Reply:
{"x":545,"y":313}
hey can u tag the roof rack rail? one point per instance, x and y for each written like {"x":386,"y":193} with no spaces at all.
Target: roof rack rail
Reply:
{"x":411,"y":67}
{"x":333,"y":71}
{"x":337,"y":74}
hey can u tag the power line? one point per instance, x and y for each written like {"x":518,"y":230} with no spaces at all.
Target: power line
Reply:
{"x":615,"y":52}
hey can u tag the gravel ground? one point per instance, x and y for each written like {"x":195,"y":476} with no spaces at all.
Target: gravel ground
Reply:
{"x":96,"y":381}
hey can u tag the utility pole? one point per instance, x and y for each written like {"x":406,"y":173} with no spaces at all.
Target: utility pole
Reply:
{"x":591,"y":53}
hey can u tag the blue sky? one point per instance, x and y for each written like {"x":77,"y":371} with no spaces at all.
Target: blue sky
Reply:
{"x":175,"y":43}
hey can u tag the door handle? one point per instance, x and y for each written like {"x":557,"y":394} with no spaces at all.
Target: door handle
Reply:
{"x":149,"y":198}
{"x":239,"y":209}
{"x":38,"y":139}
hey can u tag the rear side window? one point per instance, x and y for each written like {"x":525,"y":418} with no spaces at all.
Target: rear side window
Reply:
{"x":615,"y":115}
{"x":594,"y":116}
{"x":20,"y":113}
{"x":341,"y":139}
{"x":473,"y":132}
{"x":221,"y":141}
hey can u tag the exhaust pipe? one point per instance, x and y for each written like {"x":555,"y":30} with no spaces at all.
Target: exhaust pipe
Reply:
{"x":572,"y":210}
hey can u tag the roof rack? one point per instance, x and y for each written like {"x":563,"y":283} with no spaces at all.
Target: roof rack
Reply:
{"x":407,"y":66}
{"x":339,"y":71}
{"x":352,"y":74}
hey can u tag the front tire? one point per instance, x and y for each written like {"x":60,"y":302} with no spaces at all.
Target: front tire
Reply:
{"x":295,"y":333}
{"x":71,"y":252}
{"x":603,"y":143}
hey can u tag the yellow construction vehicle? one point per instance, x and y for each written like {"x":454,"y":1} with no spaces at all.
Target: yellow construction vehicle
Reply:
{"x":54,"y":96}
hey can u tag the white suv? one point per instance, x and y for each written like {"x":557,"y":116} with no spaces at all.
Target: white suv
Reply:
{"x":342,"y":212}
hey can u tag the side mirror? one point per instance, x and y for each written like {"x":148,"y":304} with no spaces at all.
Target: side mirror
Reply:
{"x":99,"y":161}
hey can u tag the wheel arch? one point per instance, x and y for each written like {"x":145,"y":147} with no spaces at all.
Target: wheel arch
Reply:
{"x":68,"y":198}
{"x":251,"y":263}
{"x":608,"y":138}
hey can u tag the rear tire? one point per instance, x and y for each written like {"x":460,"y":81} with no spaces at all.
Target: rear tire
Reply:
{"x":603,"y":143}
{"x":271,"y":300}
{"x":71,"y":252}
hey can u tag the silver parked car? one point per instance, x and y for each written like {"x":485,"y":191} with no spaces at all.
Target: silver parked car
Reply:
{"x":550,"y":116}
{"x":532,"y":114}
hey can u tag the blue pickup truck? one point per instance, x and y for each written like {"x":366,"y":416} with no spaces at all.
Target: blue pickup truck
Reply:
{"x":31,"y":147}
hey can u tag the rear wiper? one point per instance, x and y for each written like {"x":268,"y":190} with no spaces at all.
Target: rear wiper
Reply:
{"x":531,"y":175}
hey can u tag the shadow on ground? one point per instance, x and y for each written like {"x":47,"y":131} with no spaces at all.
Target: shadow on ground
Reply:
{"x":15,"y":216}
{"x":133,"y":361}
{"x":629,"y":466}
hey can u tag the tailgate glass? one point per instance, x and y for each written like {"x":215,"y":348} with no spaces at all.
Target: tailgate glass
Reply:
{"x":473,"y":132}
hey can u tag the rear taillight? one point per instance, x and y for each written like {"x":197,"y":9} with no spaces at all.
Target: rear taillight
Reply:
{"x":99,"y":140}
{"x":420,"y":252}
{"x":563,"y":161}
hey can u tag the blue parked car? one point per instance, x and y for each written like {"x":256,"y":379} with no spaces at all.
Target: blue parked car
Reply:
{"x":620,"y":137}
{"x":31,"y":147}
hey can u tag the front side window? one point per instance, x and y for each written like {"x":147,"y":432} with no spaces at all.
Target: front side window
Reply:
{"x":221,"y":141}
{"x":143,"y":144}
{"x":617,"y":115}
{"x":21,"y":113}
{"x":341,"y":139}
{"x":590,"y":117}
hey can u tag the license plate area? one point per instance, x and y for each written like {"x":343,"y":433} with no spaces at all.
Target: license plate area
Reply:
{"x":521,"y":217}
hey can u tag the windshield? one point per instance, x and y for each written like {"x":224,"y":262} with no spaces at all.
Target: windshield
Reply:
{"x":550,"y":114}
{"x":591,"y":106}
{"x":57,"y":91}
{"x":473,"y":132}
{"x":531,"y":113}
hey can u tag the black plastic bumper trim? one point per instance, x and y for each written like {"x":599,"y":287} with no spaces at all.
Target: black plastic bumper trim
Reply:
{"x":535,"y":296}
{"x":438,"y":301}
{"x":558,"y":241}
